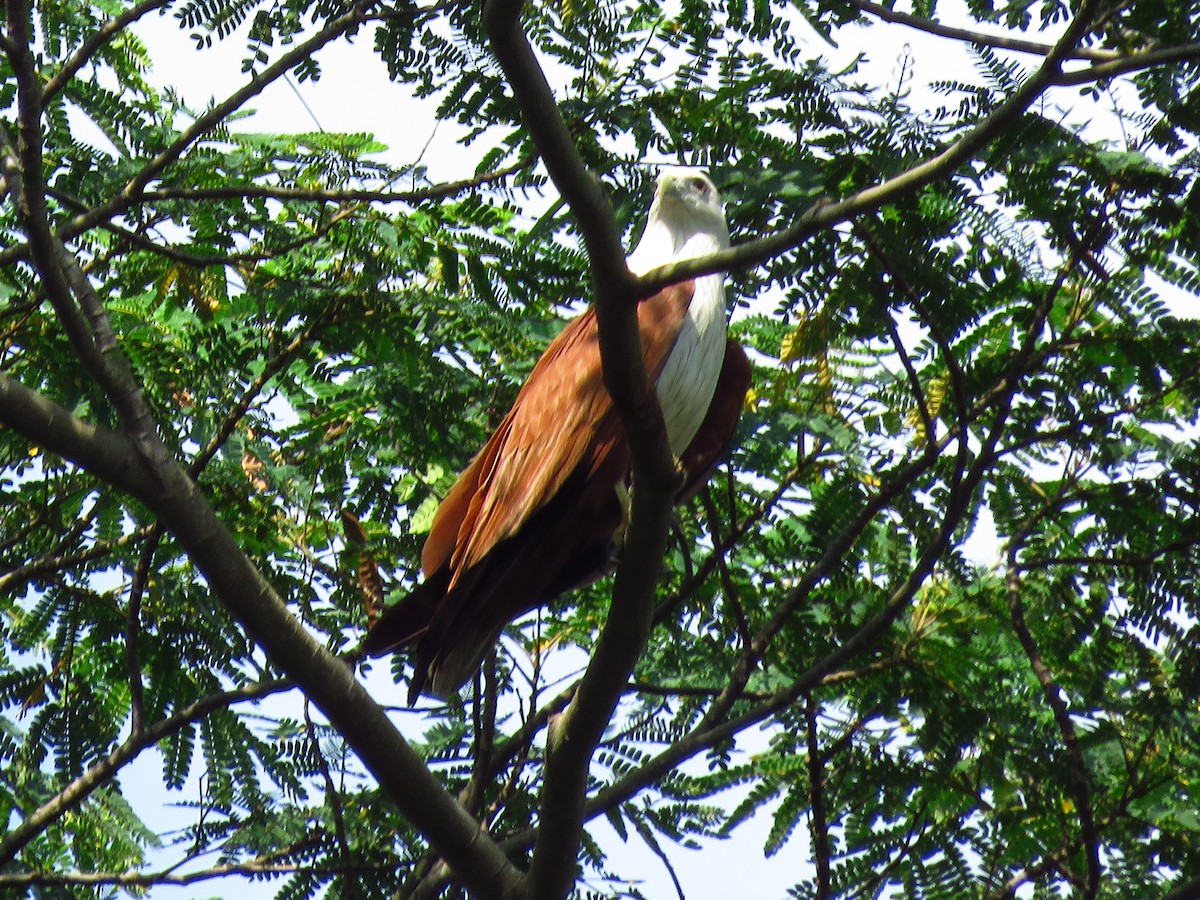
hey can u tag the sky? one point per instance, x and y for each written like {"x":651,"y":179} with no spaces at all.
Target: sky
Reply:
{"x":355,"y":95}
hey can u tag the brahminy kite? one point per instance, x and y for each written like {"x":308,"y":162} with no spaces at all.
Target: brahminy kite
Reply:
{"x":541,"y":509}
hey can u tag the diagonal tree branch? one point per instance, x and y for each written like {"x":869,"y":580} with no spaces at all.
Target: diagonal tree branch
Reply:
{"x":154,"y":477}
{"x":978,"y":38}
{"x":716,"y":726}
{"x":82,"y":787}
{"x":553,"y":861}
{"x":105,"y":33}
{"x":1077,"y":778}
{"x":177,"y":501}
{"x":825,"y":213}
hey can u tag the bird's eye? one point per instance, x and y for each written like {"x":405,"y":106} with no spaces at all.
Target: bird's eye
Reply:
{"x":700,"y":186}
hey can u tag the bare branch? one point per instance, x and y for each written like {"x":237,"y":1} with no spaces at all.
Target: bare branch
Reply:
{"x":688,"y":690}
{"x":647,"y":835}
{"x":978,"y":38}
{"x":176,"y":254}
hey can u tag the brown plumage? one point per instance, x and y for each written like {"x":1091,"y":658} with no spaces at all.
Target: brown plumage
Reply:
{"x":534,"y":514}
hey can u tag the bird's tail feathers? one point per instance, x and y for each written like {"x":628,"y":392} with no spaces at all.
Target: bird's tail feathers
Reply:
{"x":407,"y":620}
{"x":444,"y":675}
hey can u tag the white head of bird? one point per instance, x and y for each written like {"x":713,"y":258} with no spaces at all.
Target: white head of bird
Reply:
{"x":686,"y":220}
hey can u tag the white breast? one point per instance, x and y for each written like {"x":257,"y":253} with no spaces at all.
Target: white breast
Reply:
{"x":689,"y":377}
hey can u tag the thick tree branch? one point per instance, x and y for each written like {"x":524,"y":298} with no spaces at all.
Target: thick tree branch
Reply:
{"x":238,"y":584}
{"x":716,"y":726}
{"x":153,"y":476}
{"x":106,"y":454}
{"x":573,"y":738}
{"x":79,"y":309}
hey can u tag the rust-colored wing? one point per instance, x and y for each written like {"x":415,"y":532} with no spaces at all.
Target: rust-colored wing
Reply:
{"x":555,"y":425}
{"x":532,"y":515}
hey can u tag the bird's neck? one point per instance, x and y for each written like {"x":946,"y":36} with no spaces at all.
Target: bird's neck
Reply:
{"x":661,"y":244}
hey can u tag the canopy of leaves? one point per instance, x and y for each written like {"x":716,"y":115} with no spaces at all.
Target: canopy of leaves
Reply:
{"x":935,"y":618}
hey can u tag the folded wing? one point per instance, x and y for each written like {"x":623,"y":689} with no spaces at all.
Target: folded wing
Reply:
{"x":534,"y":513}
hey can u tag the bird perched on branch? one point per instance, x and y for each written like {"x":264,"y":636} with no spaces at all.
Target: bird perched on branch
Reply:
{"x":541,"y":509}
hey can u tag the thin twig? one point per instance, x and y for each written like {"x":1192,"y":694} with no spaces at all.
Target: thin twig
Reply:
{"x":204,"y":124}
{"x":254,"y":870}
{"x":733,"y":603}
{"x":819,"y":824}
{"x":914,"y":380}
{"x":133,"y":627}
{"x":647,"y":835}
{"x":57,"y":561}
{"x":1136,"y":561}
{"x":333,"y":799}
{"x":1133,"y":63}
{"x":824,"y":213}
{"x":106,"y":32}
{"x":336,"y":195}
{"x":1077,"y":778}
